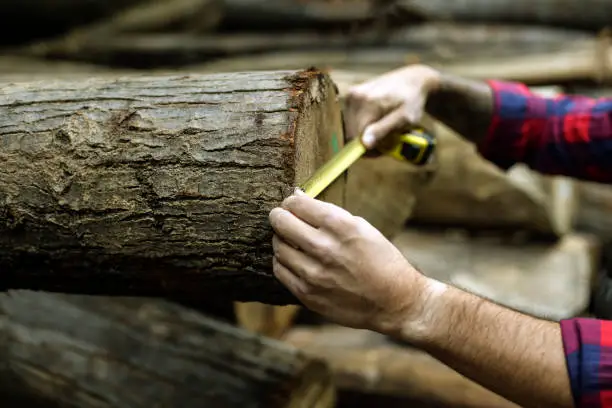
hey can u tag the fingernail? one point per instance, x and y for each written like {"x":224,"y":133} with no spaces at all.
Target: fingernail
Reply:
{"x":368,"y":139}
{"x":298,"y":191}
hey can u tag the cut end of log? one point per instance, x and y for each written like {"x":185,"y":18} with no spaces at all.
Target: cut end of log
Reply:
{"x":318,"y":131}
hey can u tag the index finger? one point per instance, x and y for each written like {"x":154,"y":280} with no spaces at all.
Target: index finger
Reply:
{"x":315,"y":212}
{"x":293,"y":230}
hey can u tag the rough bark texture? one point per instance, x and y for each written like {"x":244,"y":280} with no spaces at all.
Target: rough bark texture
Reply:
{"x":590,"y":14}
{"x":98,"y":352}
{"x":157,"y":185}
{"x":509,"y":270}
{"x":365,"y":361}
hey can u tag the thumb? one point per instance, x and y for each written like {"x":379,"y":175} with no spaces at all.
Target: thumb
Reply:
{"x":390,"y":123}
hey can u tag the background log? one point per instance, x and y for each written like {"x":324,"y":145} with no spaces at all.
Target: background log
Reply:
{"x":587,"y":14}
{"x":157,"y":186}
{"x":182,"y":15}
{"x":91,"y":352}
{"x":22,"y":21}
{"x":367,"y":362}
{"x":295,"y":14}
{"x":469,"y":191}
{"x":588,"y":60}
{"x":510,"y":270}
{"x":434,"y":41}
{"x":593,"y":214}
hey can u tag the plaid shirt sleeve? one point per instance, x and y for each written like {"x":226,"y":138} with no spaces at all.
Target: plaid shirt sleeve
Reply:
{"x":564,"y":135}
{"x":571,"y":136}
{"x":588,"y":353}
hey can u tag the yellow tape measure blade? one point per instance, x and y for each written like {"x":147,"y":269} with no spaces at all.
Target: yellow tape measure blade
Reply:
{"x":330,"y":171}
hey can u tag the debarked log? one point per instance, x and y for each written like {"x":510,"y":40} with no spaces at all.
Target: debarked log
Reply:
{"x":469,"y":191}
{"x":157,"y":186}
{"x":549,"y":280}
{"x":99,"y":352}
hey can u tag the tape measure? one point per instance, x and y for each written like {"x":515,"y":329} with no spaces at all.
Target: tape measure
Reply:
{"x":416,"y":148}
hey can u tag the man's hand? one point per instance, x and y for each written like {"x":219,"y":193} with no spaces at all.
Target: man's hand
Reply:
{"x":390,"y":103}
{"x":343,"y":268}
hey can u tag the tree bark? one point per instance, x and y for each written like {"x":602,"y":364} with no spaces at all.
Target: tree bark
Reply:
{"x":366,"y":362}
{"x":93,"y":352}
{"x":588,"y":14}
{"x":157,"y":186}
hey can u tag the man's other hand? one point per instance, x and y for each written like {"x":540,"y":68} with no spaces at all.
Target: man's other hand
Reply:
{"x":387,"y":104}
{"x":340,"y":266}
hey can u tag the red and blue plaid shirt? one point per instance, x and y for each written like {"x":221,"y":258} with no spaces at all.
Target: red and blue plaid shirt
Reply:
{"x":571,"y":136}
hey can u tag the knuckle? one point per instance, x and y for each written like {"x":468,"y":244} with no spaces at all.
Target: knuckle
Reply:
{"x":313,"y":273}
{"x":325,"y":253}
{"x":302,"y":289}
{"x":359,"y":226}
{"x":336,"y":219}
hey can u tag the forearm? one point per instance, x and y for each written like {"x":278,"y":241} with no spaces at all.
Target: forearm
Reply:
{"x":464,"y":105}
{"x":514,"y":355}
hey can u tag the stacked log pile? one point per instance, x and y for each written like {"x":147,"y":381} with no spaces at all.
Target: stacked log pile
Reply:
{"x":143,"y":143}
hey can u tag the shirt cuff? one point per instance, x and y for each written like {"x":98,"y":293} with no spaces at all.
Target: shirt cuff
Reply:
{"x":517,"y":121}
{"x":588,"y":354}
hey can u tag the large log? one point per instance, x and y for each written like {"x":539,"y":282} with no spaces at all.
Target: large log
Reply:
{"x":588,"y":14}
{"x":157,"y":186}
{"x":91,"y":352}
{"x":511,"y":271}
{"x":366,"y":362}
